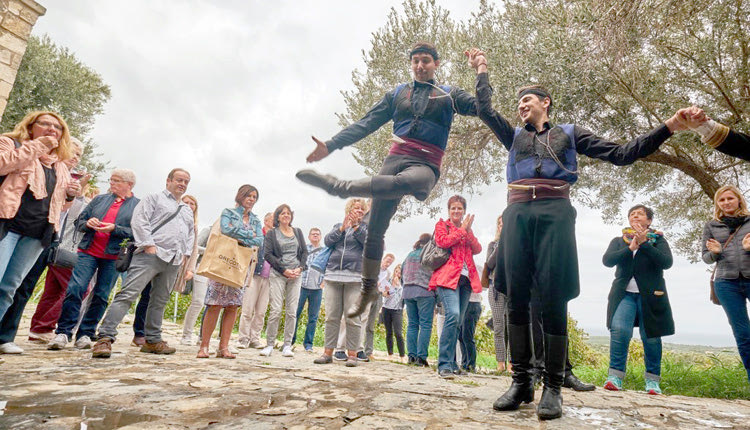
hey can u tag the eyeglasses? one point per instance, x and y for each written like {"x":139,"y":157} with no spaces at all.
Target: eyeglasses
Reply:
{"x":46,"y":124}
{"x":116,"y":181}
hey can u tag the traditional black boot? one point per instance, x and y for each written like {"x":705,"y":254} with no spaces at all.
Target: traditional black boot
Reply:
{"x":369,"y":291}
{"x":571,"y":381}
{"x":521,"y":390}
{"x":555,"y":352}
{"x":335,"y":186}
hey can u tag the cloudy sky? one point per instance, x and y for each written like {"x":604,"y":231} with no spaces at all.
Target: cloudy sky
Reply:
{"x":233,"y":90}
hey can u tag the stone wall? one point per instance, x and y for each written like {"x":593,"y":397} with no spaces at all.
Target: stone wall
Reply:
{"x":17,"y":17}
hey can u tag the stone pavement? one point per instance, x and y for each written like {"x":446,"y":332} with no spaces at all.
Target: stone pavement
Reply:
{"x":68,"y":390}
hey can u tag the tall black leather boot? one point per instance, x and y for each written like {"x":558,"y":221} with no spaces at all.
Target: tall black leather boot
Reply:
{"x":335,"y":186}
{"x":521,"y":390}
{"x":555,"y":353}
{"x":369,"y":291}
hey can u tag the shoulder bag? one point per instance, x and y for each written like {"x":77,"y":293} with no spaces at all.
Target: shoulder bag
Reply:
{"x":127,"y":247}
{"x":432,"y":256}
{"x":226,"y":261}
{"x":61,"y":257}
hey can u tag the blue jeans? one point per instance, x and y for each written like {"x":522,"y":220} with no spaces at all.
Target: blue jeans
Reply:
{"x":733,"y":295}
{"x":454,"y":303}
{"x":85,"y":268}
{"x":420,"y":311}
{"x":466,"y":336}
{"x":18,"y":254}
{"x":621,"y":332}
{"x":9,"y":323}
{"x":314,"y":299}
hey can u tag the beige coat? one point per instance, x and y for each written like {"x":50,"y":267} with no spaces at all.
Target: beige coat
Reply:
{"x":24,"y":170}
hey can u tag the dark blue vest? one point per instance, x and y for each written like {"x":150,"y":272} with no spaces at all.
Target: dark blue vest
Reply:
{"x":526,"y":160}
{"x":433,"y":125}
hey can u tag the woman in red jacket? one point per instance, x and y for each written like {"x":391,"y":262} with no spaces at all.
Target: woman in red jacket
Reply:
{"x":456,"y":279}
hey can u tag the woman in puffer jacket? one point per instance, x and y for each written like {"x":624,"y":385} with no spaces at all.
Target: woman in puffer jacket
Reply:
{"x":456,"y":279}
{"x":726,"y":242}
{"x":343,"y":280}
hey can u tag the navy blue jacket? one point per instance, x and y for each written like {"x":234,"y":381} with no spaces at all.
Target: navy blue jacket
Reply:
{"x":97,"y":208}
{"x":529,"y":150}
{"x":418,"y":110}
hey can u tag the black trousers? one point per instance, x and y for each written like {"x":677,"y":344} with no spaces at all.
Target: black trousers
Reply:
{"x":400,"y":175}
{"x":12,"y":318}
{"x":393,"y":319}
{"x":537,"y":337}
{"x":539,"y":253}
{"x":466,"y":336}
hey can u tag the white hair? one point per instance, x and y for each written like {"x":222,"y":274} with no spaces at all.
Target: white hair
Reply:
{"x":127,"y":175}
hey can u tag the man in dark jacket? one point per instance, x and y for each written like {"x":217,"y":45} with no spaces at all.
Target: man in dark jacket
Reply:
{"x":105,"y":223}
{"x":422,"y":114}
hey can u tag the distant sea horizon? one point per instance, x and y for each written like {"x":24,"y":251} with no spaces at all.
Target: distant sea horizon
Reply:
{"x":715,"y":340}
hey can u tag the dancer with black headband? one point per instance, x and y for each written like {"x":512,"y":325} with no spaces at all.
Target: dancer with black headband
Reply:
{"x":422,"y":113}
{"x":539,"y":226}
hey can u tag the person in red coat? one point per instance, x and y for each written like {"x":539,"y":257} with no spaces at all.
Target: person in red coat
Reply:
{"x":456,"y":279}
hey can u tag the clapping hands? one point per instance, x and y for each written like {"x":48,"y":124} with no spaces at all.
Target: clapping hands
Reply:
{"x":640,"y":236}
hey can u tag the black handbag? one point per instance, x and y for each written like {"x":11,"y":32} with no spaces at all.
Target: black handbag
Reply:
{"x":125,"y":256}
{"x":432,"y":256}
{"x":127,"y":247}
{"x":61,"y":257}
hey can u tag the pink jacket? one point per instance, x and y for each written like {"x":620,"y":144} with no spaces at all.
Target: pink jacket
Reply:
{"x":24,"y":170}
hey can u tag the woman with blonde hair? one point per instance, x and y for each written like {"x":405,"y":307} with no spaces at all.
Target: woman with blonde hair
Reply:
{"x":200,"y":283}
{"x":726,"y":242}
{"x":342,"y":280}
{"x":393,"y":314}
{"x":34,"y":184}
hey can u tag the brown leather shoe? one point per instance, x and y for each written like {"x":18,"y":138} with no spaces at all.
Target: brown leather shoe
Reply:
{"x":158,"y":348}
{"x":138,"y":341}
{"x":102,"y":348}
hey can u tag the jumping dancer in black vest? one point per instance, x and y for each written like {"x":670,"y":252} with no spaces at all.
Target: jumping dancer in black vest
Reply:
{"x":422,"y":113}
{"x":539,"y":226}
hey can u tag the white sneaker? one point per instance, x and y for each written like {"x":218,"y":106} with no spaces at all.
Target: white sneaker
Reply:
{"x":243,"y":344}
{"x":187,"y":340}
{"x":59,"y":342}
{"x":287,"y":351}
{"x":44,"y":338}
{"x":266,"y":352}
{"x":233,"y":350}
{"x":83,"y":342}
{"x":10,"y":348}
